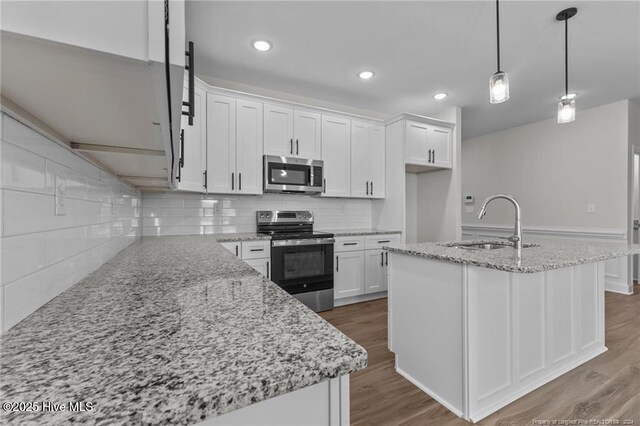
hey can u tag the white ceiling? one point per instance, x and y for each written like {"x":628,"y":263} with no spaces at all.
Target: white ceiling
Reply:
{"x":419,"y":48}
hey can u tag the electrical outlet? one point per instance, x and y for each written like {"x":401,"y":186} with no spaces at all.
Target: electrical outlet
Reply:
{"x":216,"y":208}
{"x":591,"y":208}
{"x":60,"y":196}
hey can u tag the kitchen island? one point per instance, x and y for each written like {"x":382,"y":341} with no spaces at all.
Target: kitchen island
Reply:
{"x":177,"y":330}
{"x":477,"y":328}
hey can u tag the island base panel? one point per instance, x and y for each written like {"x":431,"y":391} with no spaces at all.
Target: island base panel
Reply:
{"x":325,"y":403}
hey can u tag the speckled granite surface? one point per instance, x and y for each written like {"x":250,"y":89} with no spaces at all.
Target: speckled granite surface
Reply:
{"x":358,"y":232}
{"x":170,"y":331}
{"x":232,"y":238}
{"x":547,"y":254}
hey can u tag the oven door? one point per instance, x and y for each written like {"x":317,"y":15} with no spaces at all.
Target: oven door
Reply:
{"x":284,"y":174}
{"x":300,"y":266}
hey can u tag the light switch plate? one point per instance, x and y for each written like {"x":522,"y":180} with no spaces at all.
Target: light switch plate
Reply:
{"x":60,"y":198}
{"x":591,"y":208}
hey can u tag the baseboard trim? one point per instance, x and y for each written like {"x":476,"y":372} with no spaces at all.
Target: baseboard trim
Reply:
{"x":428,"y":391}
{"x":358,"y":299}
{"x":617,"y":287}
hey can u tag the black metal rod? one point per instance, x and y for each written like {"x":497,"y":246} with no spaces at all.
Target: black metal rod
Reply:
{"x":192,"y":83}
{"x":566,"y":57}
{"x":498,"y":31}
{"x":181,"y":147}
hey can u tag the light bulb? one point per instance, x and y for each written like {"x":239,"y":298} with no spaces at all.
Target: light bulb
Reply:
{"x":566,"y":111}
{"x":499,"y":88}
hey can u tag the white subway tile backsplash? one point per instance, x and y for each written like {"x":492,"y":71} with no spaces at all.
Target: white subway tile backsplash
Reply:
{"x":208,"y":214}
{"x":44,"y":254}
{"x":22,"y":170}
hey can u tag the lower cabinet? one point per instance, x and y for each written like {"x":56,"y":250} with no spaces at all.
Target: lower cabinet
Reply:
{"x":348,"y":278}
{"x":375,"y":272}
{"x":253,"y":253}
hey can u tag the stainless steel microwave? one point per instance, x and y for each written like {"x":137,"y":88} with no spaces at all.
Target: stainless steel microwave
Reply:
{"x":291,"y":175}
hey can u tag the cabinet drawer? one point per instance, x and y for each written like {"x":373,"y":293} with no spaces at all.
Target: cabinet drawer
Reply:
{"x":348,"y":244}
{"x":256,"y":249}
{"x":379,"y":241}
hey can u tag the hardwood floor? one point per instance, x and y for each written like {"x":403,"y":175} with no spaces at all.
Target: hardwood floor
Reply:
{"x":605,"y":388}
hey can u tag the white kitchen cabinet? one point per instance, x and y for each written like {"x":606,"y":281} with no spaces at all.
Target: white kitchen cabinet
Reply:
{"x":234,"y":247}
{"x":248,"y":147}
{"x":336,"y":154}
{"x":234,"y":146}
{"x":261,"y":265}
{"x":292,"y":133}
{"x":367,"y":160}
{"x":428,"y":145}
{"x":256,"y":249}
{"x":375,"y":274}
{"x":348,"y":277}
{"x":193,"y":146}
{"x":221,"y":144}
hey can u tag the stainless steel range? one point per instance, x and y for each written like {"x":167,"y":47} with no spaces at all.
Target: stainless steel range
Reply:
{"x":301,"y":259}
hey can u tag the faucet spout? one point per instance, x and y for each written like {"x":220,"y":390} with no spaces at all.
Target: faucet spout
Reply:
{"x":516,"y":239}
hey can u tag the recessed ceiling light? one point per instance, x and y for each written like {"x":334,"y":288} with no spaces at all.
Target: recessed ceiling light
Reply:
{"x":261,"y":45}
{"x":366,"y":75}
{"x":569,"y":96}
{"x":440,"y":96}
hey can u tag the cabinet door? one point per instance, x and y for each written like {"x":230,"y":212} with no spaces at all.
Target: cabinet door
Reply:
{"x":417,"y":146}
{"x":376,"y":152}
{"x":221,"y":144}
{"x":359,"y":159}
{"x":278,"y":131}
{"x":306,"y":134}
{"x":375,"y":272}
{"x":336,"y":154}
{"x":261,"y":265}
{"x":249,"y":147}
{"x":440,"y":142}
{"x":233,"y":248}
{"x":348,"y":274}
{"x":194,"y":160}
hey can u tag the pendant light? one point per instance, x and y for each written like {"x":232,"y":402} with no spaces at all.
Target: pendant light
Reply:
{"x":499,"y":82}
{"x":567,"y":105}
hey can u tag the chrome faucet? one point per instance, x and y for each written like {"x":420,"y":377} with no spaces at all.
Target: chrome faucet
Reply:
{"x":516,"y":239}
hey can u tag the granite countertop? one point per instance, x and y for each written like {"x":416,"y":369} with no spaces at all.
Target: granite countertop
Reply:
{"x":233,"y":238}
{"x":170,"y":331}
{"x":358,"y":232}
{"x":537,"y":254}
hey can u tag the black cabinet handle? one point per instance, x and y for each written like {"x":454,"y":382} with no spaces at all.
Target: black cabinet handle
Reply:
{"x":205,"y":179}
{"x":239,"y":181}
{"x":381,"y":259}
{"x":337,"y":264}
{"x":324,"y":185}
{"x":191,"y":111}
{"x":367,"y":188}
{"x":232,"y":180}
{"x":236,"y":249}
{"x":429,"y":153}
{"x":260,"y":249}
{"x":297,"y":152}
{"x":267,"y":269}
{"x":179,"y":174}
{"x":181,"y":147}
{"x":291,"y":140}
{"x":384,"y":241}
{"x":349,"y":244}
{"x":371,"y":187}
{"x":387,"y":258}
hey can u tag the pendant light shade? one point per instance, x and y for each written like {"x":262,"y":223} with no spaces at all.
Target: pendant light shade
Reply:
{"x":499,"y":82}
{"x":567,"y":106}
{"x":499,"y":87}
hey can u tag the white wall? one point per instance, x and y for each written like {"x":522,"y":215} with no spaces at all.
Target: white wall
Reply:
{"x":439,"y":193}
{"x":184,"y":213}
{"x":411,"y":200}
{"x":555,"y":171}
{"x":43,"y":254}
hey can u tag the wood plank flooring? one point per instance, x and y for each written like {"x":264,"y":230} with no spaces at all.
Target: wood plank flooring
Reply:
{"x":605,"y":388}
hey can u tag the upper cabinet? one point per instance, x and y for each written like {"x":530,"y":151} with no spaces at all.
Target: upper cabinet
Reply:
{"x":428,"y":146}
{"x":336,"y":154}
{"x":234,"y":146}
{"x":193,"y":146}
{"x":291,"y":133}
{"x":367,"y":160}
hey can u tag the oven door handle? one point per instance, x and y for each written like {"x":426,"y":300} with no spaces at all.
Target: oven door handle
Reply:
{"x":310,"y":242}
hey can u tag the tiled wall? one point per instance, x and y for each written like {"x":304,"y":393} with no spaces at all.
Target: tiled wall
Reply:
{"x":182,"y":213}
{"x":43,"y":254}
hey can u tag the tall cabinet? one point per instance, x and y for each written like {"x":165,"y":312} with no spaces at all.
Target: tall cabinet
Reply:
{"x":336,"y":154}
{"x":193,"y":150}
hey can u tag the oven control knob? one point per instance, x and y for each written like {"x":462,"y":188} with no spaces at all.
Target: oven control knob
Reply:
{"x":304,"y":285}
